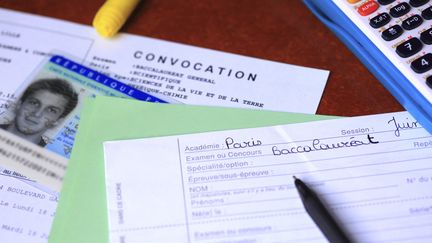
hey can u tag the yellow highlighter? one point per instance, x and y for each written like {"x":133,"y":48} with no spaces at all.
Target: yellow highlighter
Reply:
{"x":112,"y":15}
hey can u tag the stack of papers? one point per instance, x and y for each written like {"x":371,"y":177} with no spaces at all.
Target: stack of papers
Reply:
{"x":179,"y":73}
{"x":83,"y":196}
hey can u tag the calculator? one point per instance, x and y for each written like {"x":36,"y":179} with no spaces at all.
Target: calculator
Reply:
{"x":393,"y":38}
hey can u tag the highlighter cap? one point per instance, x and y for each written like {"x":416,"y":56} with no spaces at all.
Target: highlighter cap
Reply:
{"x":112,"y":15}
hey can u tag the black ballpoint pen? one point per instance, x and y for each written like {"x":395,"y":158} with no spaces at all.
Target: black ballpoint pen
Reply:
{"x":319,"y":214}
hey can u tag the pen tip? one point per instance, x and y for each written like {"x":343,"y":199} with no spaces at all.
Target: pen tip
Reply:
{"x":295,"y":178}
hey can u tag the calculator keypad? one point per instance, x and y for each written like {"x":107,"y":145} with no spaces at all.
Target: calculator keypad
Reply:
{"x":429,"y":81}
{"x":426,"y":36}
{"x":409,"y":47}
{"x":427,"y":13}
{"x":404,"y":28}
{"x":385,"y":2}
{"x":367,"y":8}
{"x":400,"y":10}
{"x":392,"y":33}
{"x":418,"y":3}
{"x":422,"y":64}
{"x":380,"y":20}
{"x":412,"y":22}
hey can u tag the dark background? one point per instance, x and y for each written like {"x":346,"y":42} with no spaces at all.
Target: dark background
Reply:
{"x":278,"y":30}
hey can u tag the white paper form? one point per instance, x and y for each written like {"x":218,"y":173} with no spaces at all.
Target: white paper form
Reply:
{"x":191,"y":75}
{"x":374,"y":173}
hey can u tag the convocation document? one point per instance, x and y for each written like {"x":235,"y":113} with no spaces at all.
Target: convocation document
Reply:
{"x":374,"y":173}
{"x":188,"y":74}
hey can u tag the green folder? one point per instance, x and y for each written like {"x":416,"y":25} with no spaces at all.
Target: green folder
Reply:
{"x":82,"y":211}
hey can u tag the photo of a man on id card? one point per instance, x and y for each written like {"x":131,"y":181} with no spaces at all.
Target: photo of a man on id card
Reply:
{"x":43,"y":105}
{"x":39,"y":123}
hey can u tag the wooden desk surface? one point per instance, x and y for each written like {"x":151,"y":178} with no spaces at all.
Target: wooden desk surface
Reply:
{"x":278,"y":30}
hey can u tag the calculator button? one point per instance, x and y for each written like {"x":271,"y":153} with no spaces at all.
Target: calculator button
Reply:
{"x":422,"y":64}
{"x":418,"y":3}
{"x":385,"y":2}
{"x":429,"y":81}
{"x":392,"y":33}
{"x":367,"y":8}
{"x":426,"y":36}
{"x":412,"y":22}
{"x":380,"y":20}
{"x":409,"y":47}
{"x":427,"y":13}
{"x":400,"y":10}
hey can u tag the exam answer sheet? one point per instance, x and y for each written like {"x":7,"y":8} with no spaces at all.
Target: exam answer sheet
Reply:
{"x":188,"y":74}
{"x":373,"y":173}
